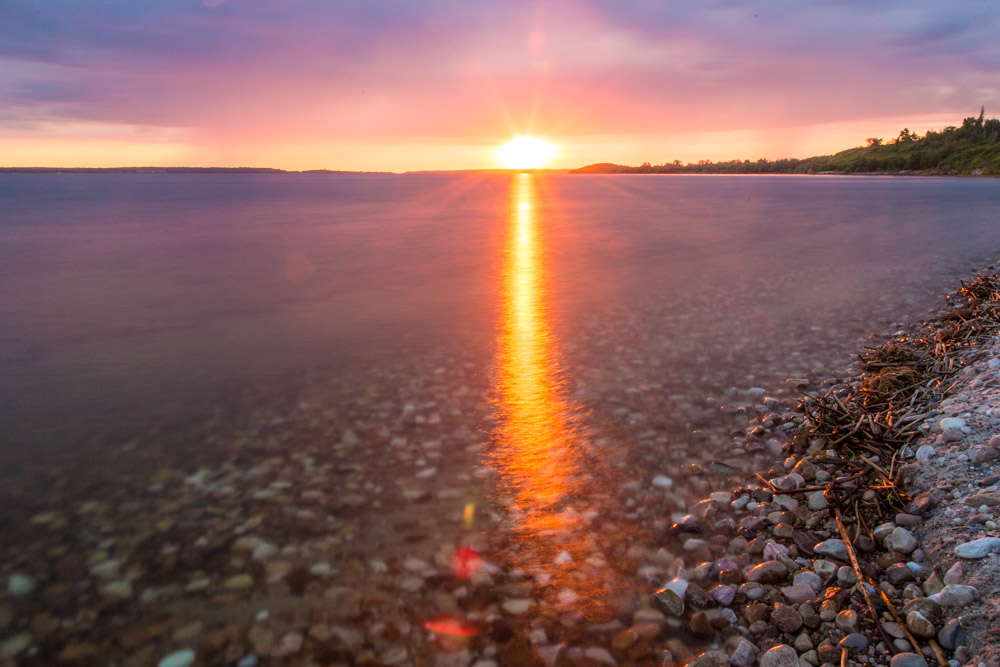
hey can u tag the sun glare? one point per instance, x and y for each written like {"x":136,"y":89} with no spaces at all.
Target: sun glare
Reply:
{"x":525,"y":153}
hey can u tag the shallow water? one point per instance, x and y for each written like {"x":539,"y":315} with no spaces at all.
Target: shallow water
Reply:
{"x":436,"y":395}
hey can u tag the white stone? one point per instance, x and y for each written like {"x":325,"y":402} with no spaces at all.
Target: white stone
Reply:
{"x":121,"y":589}
{"x":264,"y":551}
{"x":181,"y":658}
{"x":925,"y":453}
{"x":20,"y":584}
{"x":15,"y":644}
{"x":902,"y":540}
{"x":980,"y":548}
{"x":816,"y":501}
{"x":662,"y":482}
{"x":834,"y":547}
{"x":109,"y":569}
{"x":599,"y":654}
{"x":517,"y":606}
{"x":952,"y":423}
{"x":955,"y":595}
{"x":781,"y":655}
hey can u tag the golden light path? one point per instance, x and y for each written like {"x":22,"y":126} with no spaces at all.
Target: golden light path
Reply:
{"x":538,"y":446}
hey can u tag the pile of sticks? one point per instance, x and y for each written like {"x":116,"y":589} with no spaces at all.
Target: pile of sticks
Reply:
{"x":869,"y":422}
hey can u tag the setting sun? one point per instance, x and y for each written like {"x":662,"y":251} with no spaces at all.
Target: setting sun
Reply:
{"x":525,"y":153}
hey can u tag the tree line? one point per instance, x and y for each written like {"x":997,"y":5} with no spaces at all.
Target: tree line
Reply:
{"x":971,"y":149}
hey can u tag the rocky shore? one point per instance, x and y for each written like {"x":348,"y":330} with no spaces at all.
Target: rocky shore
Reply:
{"x":382,"y":533}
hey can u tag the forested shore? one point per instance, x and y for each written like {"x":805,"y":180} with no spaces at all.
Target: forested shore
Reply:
{"x":973,"y":149}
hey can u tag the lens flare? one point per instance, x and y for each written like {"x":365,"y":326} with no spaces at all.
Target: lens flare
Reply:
{"x":525,"y":153}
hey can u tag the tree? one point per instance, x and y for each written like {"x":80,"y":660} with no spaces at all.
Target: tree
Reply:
{"x":874,"y":141}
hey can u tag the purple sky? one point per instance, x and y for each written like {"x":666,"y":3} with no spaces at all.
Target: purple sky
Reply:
{"x":437,"y":84}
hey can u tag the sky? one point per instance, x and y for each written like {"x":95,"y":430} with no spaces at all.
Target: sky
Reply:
{"x":400,"y":85}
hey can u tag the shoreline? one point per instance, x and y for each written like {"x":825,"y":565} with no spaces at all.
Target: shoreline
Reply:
{"x":926,"y":473}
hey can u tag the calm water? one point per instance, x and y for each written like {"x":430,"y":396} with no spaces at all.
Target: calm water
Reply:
{"x":447,"y":368}
{"x":129,"y":295}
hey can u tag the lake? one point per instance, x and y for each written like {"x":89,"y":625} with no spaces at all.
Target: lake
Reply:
{"x":435,"y":411}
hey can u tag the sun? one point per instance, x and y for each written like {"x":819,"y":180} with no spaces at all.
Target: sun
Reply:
{"x":525,"y":153}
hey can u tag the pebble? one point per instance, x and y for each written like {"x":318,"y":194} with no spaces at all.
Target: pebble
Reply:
{"x":264,"y":551}
{"x":919,"y":625}
{"x":517,"y":606}
{"x":786,"y":618}
{"x":833,"y":548}
{"x":181,"y":658}
{"x":803,"y":643}
{"x":723,"y":594}
{"x":952,"y":635}
{"x":949,"y":423}
{"x":744,"y":655}
{"x":121,"y":589}
{"x":980,"y":548}
{"x":711,"y":659}
{"x":816,"y":501}
{"x":600,"y":655}
{"x":908,"y":660}
{"x":238,"y":582}
{"x":798,"y":593}
{"x":902,"y":540}
{"x":781,"y":655}
{"x":768,"y":572}
{"x":20,"y":584}
{"x":15,"y":644}
{"x":290,"y":644}
{"x":854,"y":640}
{"x":955,"y":595}
{"x":954,"y":574}
{"x":662,"y":482}
{"x":811,"y":579}
{"x":847,"y":620}
{"x":925,"y":453}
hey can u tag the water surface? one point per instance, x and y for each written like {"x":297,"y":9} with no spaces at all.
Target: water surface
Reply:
{"x":439,"y":396}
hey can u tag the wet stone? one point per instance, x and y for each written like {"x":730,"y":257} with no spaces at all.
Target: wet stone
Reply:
{"x":15,"y":644}
{"x":181,"y":658}
{"x":908,"y":660}
{"x":710,"y":659}
{"x":833,"y":548}
{"x":722,"y":594}
{"x":926,"y":606}
{"x":955,"y":595}
{"x":20,"y":584}
{"x":919,"y":625}
{"x":847,"y":620}
{"x":781,"y":655}
{"x":952,"y":635}
{"x":853,"y":641}
{"x":768,"y":572}
{"x":744,"y":655}
{"x":899,"y":573}
{"x":902,"y":540}
{"x":798,"y":593}
{"x":786,"y":618}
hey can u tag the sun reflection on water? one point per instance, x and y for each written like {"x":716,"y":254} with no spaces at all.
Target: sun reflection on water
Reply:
{"x":538,"y":443}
